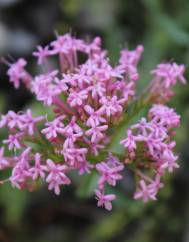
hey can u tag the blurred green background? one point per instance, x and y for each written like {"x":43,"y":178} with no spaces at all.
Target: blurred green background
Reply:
{"x":163,"y":28}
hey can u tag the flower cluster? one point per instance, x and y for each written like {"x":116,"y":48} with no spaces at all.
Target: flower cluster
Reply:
{"x":90,"y":100}
{"x":151,"y":141}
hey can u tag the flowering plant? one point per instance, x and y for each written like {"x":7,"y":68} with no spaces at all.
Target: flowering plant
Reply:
{"x":91,"y":101}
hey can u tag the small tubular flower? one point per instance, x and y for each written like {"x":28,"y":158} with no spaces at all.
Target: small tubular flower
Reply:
{"x":56,"y":176}
{"x":104,"y":200}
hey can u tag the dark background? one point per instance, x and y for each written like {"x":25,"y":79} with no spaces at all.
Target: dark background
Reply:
{"x":163,"y":28}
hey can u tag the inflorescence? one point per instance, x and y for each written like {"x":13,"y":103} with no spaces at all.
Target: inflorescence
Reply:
{"x":91,"y":100}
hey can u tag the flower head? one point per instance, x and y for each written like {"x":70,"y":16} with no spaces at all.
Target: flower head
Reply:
{"x":88,"y":105}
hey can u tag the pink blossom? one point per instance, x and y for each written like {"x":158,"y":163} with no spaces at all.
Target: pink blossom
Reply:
{"x":14,"y":120}
{"x":69,"y":141}
{"x":85,"y":167}
{"x":54,"y":128}
{"x":41,"y":54}
{"x":110,"y":106}
{"x":64,"y":44}
{"x":29,"y":122}
{"x":20,"y":172}
{"x":89,"y":68}
{"x":17,"y":72}
{"x":128,"y":91}
{"x":154,"y":145}
{"x":95,"y":117}
{"x":56,"y":176}
{"x":129,"y":60}
{"x":38,"y":170}
{"x":73,"y":127}
{"x":77,"y":98}
{"x":44,"y":88}
{"x":170,"y":73}
{"x":131,"y":57}
{"x":61,"y":84}
{"x":74,"y":155}
{"x":13,"y":141}
{"x":168,"y":160}
{"x":164,"y":116}
{"x":93,"y":47}
{"x":165,"y":77}
{"x":97,"y":89}
{"x":95,"y":148}
{"x":155,"y":185}
{"x":129,"y":142}
{"x":72,"y":132}
{"x":145,"y":192}
{"x":80,"y":80}
{"x":104,"y":200}
{"x":109,"y":174}
{"x":96,"y":132}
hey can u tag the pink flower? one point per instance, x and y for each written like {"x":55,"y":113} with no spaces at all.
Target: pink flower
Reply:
{"x":109,"y":173}
{"x":89,"y":68}
{"x":41,"y":54}
{"x":44,"y":87}
{"x":104,"y":200}
{"x":145,"y":192}
{"x":164,"y":116}
{"x":56,"y":176}
{"x":14,"y":120}
{"x":129,"y":60}
{"x":70,"y":140}
{"x":129,"y":142}
{"x":170,"y":73}
{"x":74,"y":156}
{"x":13,"y":141}
{"x":143,"y":127}
{"x":61,"y":85}
{"x":154,"y":145}
{"x":38,"y":170}
{"x":128,"y":91}
{"x":131,"y":57}
{"x":29,"y":122}
{"x":93,"y":47}
{"x":95,"y":148}
{"x":77,"y":98}
{"x":73,"y":127}
{"x":54,"y":128}
{"x":85,"y":167}
{"x":110,"y":106}
{"x":16,"y":72}
{"x":64,"y":44}
{"x":95,"y":117}
{"x":20,"y":173}
{"x":156,"y":184}
{"x":165,"y":77}
{"x":168,"y":160}
{"x":80,"y":80}
{"x":97,"y":89}
{"x":96,"y":133}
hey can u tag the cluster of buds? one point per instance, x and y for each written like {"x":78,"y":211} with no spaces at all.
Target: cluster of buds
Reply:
{"x":90,"y":101}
